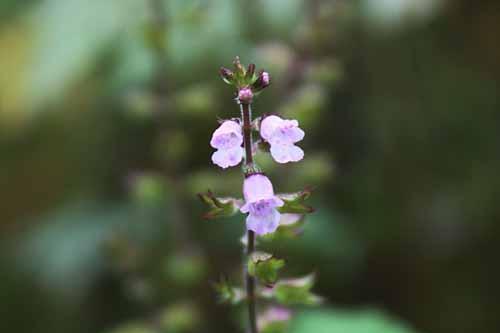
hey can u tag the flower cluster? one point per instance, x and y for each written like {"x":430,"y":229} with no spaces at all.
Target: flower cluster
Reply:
{"x":265,"y":210}
{"x":281,"y":134}
{"x":261,"y":204}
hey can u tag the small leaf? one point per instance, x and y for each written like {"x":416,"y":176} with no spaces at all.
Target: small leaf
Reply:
{"x":219,"y":207}
{"x":296,"y":291}
{"x":227,"y":293}
{"x":265,"y":267}
{"x":294,"y":202}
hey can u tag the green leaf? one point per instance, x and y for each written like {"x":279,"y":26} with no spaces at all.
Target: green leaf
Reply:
{"x":219,"y":207}
{"x":148,"y":188}
{"x":180,"y":317}
{"x":291,"y":226}
{"x":341,"y":321}
{"x":265,"y":267}
{"x":296,"y":291}
{"x":227,"y":293}
{"x":185,"y":269}
{"x":294,"y":202}
{"x":275,"y":327}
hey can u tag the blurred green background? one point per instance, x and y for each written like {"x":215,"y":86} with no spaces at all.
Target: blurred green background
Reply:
{"x":106,"y":111}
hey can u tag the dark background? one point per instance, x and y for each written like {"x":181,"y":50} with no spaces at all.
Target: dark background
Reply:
{"x":106,"y":111}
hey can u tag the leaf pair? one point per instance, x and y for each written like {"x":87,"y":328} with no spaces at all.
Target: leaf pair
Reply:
{"x":219,"y":207}
{"x":227,"y":207}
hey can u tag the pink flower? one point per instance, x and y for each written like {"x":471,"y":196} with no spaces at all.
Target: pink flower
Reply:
{"x":227,"y":139}
{"x":265,"y":79}
{"x":282,"y":135}
{"x":273,"y":315}
{"x":245,"y":95}
{"x":260,"y":203}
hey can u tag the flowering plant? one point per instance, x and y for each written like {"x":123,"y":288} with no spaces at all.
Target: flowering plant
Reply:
{"x":267,"y":212}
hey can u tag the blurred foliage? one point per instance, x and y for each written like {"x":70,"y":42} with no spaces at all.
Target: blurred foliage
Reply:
{"x":106,"y":111}
{"x":340,"y":321}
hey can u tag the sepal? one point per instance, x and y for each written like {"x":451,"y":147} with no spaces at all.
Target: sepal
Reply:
{"x":294,"y":202}
{"x":219,"y":207}
{"x":265,"y":267}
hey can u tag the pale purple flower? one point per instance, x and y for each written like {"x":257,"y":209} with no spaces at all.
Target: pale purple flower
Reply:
{"x":272,"y":315}
{"x":260,"y":204}
{"x":227,"y":139}
{"x":245,"y":95}
{"x":282,"y":135}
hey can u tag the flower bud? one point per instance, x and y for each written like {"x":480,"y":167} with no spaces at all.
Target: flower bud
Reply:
{"x":262,"y":81}
{"x":227,"y":75}
{"x":245,"y":95}
{"x":240,"y":70}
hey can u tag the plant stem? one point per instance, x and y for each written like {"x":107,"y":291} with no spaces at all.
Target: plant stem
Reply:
{"x":246,"y":114}
{"x":250,"y":284}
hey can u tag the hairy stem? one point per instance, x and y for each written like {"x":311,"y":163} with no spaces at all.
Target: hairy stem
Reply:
{"x":246,"y":114}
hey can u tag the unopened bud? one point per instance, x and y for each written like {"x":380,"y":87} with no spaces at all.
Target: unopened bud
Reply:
{"x":245,"y":95}
{"x":227,"y":75}
{"x":262,"y":81}
{"x":238,"y":67}
{"x":265,"y":79}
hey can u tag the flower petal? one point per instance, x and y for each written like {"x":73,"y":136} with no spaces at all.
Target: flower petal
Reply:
{"x":227,"y":157}
{"x":257,"y":187}
{"x":295,"y":134}
{"x":268,"y":126}
{"x":228,"y":135}
{"x":286,"y":153}
{"x":263,"y":225}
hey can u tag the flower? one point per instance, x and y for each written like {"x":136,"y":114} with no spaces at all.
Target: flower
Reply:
{"x":245,"y":95}
{"x":274,"y":315}
{"x":282,"y":135}
{"x":260,"y":203}
{"x":227,"y":139}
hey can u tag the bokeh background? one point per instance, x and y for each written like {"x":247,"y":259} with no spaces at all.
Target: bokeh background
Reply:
{"x":106,"y":111}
